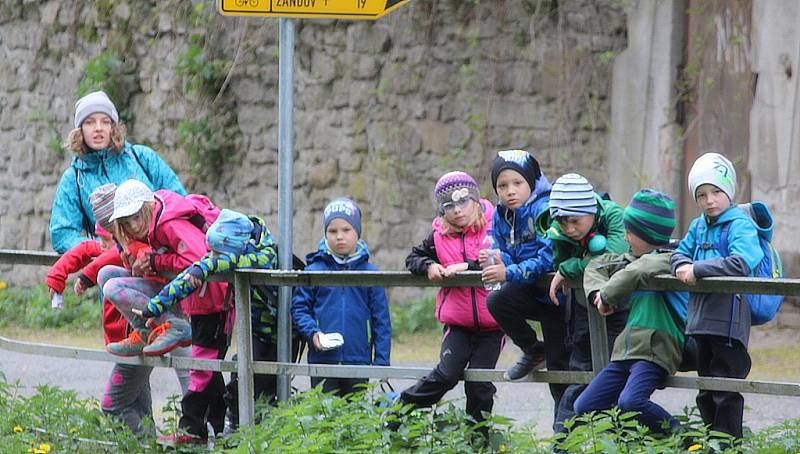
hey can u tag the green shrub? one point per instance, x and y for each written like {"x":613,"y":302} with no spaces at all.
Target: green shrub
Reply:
{"x":314,"y":422}
{"x":414,"y":316}
{"x":30,"y":308}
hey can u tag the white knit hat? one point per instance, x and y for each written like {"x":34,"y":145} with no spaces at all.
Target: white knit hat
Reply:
{"x":94,"y":102}
{"x":129,"y":198}
{"x":572,"y":195}
{"x":715,"y":169}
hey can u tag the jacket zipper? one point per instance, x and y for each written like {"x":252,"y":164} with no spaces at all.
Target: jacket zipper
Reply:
{"x":471,"y":289}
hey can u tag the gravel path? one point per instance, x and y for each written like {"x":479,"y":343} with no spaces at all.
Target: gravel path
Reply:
{"x":527,"y":403}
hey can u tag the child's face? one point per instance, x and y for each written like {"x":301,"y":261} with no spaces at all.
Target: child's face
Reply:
{"x":461,"y":213}
{"x":135,"y":225}
{"x":96,"y":129}
{"x":106,"y":243}
{"x":341,"y":237}
{"x":639,"y":247}
{"x":512,"y":189}
{"x":576,"y":227}
{"x":712,"y":200}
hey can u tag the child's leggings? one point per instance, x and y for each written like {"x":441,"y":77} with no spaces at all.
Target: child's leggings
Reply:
{"x":205,"y":400}
{"x":127,"y":393}
{"x":461,"y":348}
{"x":127,"y":293}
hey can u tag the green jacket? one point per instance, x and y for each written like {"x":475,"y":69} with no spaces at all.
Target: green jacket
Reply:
{"x":570,"y":256}
{"x":652,"y":332}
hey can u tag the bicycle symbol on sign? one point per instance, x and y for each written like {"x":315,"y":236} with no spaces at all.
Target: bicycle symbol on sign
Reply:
{"x":253,"y":3}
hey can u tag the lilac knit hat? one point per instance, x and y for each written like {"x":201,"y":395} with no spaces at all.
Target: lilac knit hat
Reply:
{"x":454,"y":186}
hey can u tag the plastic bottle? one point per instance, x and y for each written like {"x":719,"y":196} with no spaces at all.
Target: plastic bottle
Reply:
{"x":491,"y":252}
{"x":58,"y":301}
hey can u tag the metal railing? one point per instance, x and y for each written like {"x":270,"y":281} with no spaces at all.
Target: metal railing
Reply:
{"x":246,"y":367}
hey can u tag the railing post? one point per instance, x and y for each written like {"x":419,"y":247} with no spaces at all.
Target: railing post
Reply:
{"x":598,"y":335}
{"x":244,"y":345}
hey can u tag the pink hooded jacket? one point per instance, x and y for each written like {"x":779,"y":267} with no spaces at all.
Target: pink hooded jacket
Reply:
{"x":463,"y":306}
{"x":185,"y":243}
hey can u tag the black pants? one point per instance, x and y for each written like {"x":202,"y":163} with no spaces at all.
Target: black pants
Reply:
{"x":340,"y":386}
{"x":513,"y":305}
{"x":722,"y":410}
{"x":461,"y":348}
{"x":264,"y":386}
{"x":204,"y":401}
{"x":581,"y":353}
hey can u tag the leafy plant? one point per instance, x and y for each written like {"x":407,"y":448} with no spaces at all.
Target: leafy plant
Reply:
{"x":30,"y":308}
{"x":414,"y":316}
{"x":107,"y":72}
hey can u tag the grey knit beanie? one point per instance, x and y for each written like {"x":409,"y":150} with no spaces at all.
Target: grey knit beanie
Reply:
{"x":572,"y":195}
{"x":95,"y":102}
{"x":102,"y":201}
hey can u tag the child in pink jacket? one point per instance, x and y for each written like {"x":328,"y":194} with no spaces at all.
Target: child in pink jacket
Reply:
{"x":471,"y":337}
{"x":174,"y":226}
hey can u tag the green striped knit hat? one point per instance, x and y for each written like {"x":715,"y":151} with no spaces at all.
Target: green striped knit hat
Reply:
{"x":650,"y":216}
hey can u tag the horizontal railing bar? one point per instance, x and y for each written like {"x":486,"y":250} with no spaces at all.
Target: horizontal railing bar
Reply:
{"x":22,"y":257}
{"x":788,"y":287}
{"x":378,"y":372}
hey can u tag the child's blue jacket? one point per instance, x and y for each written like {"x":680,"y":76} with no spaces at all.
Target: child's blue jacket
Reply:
{"x":360,"y":314}
{"x":716,"y":313}
{"x":526,"y":254}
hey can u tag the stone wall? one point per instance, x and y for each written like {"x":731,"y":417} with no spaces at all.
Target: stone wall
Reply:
{"x":381,"y":108}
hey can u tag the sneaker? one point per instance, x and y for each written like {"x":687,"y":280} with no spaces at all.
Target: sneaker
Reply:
{"x":531,"y":359}
{"x":177,"y":439}
{"x":168,"y":336}
{"x":131,"y":346}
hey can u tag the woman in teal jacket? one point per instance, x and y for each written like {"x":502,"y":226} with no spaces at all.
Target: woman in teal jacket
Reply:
{"x":102,"y":155}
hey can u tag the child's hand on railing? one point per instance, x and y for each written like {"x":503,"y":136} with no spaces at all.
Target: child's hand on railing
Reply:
{"x":685,"y":274}
{"x":559,"y":282}
{"x":451,"y":270}
{"x":435,"y":272}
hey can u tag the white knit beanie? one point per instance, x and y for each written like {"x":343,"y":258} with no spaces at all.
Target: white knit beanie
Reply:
{"x":95,"y":102}
{"x":715,"y":169}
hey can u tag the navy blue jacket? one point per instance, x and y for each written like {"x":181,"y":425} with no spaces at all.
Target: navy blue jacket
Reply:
{"x":360,"y":314}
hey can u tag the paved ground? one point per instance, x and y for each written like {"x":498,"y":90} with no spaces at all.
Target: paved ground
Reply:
{"x":527,"y":403}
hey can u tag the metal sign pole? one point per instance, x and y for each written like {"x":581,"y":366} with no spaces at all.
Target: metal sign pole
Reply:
{"x":285,"y":206}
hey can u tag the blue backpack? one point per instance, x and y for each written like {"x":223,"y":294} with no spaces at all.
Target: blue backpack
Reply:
{"x":763,"y":308}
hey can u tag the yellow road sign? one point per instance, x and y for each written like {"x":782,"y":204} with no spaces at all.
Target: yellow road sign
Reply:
{"x":310,"y":9}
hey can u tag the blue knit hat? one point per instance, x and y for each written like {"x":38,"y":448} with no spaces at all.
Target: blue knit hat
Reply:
{"x":342,"y":208}
{"x":650,"y":216}
{"x":572,"y":195}
{"x":521,"y":162}
{"x":230,"y":233}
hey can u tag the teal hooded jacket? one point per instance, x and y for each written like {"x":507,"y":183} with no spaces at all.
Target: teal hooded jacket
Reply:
{"x":71,"y":219}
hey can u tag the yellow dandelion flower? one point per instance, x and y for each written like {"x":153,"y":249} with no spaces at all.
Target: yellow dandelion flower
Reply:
{"x":17,"y":429}
{"x":3,"y":285}
{"x":501,"y":448}
{"x":39,"y":451}
{"x":695,"y":447}
{"x":30,"y":449}
{"x":72,"y":430}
